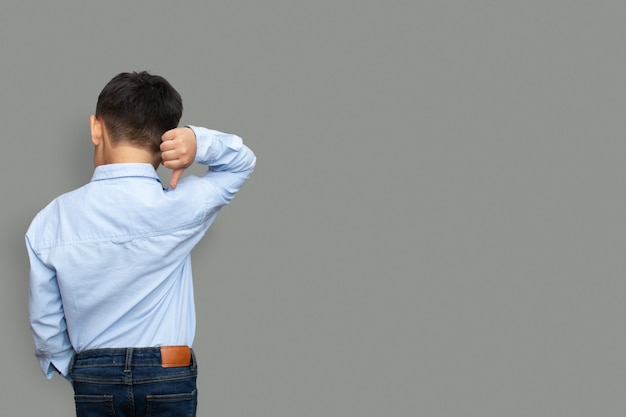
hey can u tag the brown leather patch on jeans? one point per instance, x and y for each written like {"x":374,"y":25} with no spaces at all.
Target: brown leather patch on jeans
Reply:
{"x":175,"y":356}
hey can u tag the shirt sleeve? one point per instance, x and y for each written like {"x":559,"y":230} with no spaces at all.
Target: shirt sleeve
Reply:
{"x":229,"y":161}
{"x":53,"y":349}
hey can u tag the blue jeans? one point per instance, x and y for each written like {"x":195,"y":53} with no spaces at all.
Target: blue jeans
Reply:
{"x":132,"y":383}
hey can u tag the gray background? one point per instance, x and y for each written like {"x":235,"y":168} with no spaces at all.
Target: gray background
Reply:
{"x":436,"y":226}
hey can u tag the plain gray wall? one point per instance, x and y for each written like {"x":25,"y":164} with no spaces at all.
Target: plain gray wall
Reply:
{"x":436,"y":226}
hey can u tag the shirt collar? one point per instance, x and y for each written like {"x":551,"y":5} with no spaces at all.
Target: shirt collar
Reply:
{"x":111,"y":171}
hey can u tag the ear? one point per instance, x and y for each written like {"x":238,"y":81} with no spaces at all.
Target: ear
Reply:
{"x":97,"y":130}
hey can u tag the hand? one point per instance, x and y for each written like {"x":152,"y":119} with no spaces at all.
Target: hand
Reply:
{"x":178,"y":151}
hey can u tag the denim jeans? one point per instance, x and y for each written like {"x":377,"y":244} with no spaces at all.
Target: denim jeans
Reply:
{"x":132,"y":383}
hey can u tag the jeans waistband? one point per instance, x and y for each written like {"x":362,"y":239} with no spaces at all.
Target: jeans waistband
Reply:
{"x":122,"y":357}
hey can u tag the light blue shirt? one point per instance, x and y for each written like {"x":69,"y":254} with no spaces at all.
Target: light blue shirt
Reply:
{"x":110,"y":262}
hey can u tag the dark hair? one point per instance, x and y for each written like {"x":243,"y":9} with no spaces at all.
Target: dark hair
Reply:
{"x":139,"y":107}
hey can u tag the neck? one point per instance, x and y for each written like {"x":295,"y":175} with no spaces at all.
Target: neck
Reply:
{"x":123,"y":153}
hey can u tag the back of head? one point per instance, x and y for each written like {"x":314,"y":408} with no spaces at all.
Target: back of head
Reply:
{"x":138,"y":108}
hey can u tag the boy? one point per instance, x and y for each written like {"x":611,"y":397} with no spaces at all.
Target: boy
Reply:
{"x":111,"y":296}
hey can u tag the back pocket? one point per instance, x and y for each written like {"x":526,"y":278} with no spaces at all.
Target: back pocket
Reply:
{"x":171,"y":405}
{"x":94,"y":406}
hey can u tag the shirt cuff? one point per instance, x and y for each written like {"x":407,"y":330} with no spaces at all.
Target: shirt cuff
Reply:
{"x":57,"y":363}
{"x":205,"y":139}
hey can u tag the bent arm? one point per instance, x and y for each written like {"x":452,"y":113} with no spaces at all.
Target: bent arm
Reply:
{"x":230,"y":163}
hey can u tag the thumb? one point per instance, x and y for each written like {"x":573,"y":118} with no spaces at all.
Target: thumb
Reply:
{"x":176,"y":174}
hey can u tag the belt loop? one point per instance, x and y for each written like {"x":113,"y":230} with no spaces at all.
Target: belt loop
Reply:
{"x":129,"y":360}
{"x":70,"y":367}
{"x":194,"y":364}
